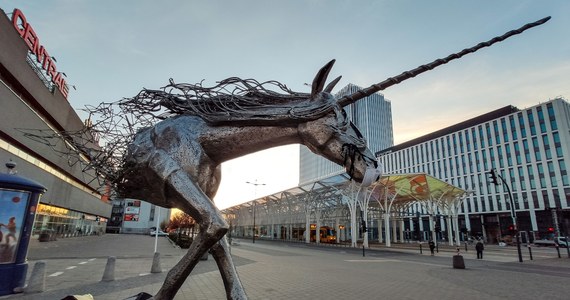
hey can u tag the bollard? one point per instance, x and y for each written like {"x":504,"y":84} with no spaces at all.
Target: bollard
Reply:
{"x":568,"y":246}
{"x":458,"y":262}
{"x":363,"y":252}
{"x":529,"y":251}
{"x":465,"y":246}
{"x":109,"y":274}
{"x":156,"y":263}
{"x":558,"y":251}
{"x":421,"y":249}
{"x":37,"y":282}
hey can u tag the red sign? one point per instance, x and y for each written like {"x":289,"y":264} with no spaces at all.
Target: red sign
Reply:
{"x":131,"y":217}
{"x":42,"y":57}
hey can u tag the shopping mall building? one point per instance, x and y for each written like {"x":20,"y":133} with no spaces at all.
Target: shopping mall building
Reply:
{"x":33,"y":98}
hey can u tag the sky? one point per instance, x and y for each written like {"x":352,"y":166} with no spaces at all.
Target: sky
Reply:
{"x":112,"y":49}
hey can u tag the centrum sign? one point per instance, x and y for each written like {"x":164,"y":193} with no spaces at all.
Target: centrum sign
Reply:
{"x":42,"y":57}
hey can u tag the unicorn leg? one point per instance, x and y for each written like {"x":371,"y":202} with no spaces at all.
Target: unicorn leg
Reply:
{"x":212,"y":228}
{"x":232,"y":283}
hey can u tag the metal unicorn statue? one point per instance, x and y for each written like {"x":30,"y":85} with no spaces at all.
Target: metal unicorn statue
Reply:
{"x":168,"y":146}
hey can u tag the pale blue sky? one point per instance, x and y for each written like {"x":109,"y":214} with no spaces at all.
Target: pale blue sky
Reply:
{"x":112,"y":49}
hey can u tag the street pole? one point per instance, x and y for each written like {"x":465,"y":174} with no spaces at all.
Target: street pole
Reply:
{"x":157,"y":230}
{"x":494,"y":176}
{"x":255,"y":184}
{"x":253,"y":233}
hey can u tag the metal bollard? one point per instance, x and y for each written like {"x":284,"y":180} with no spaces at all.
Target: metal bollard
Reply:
{"x":558,"y":251}
{"x":421,"y":249}
{"x":530,"y":251}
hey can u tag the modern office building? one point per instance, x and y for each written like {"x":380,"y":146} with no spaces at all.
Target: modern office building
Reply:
{"x":33,"y":96}
{"x":528,"y":148}
{"x":372,"y":115}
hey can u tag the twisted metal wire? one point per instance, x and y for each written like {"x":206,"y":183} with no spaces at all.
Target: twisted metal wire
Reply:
{"x":100,"y":147}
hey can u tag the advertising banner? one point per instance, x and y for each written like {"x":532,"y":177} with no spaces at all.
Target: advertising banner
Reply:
{"x":12,"y":212}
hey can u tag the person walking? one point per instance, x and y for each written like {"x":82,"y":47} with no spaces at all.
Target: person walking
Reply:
{"x":479,"y":248}
{"x":431,"y":246}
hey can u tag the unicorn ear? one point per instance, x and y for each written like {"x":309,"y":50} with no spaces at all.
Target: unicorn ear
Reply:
{"x":331,"y":85}
{"x":320,"y":79}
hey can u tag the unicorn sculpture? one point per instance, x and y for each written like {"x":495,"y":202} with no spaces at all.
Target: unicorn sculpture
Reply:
{"x":173,"y":158}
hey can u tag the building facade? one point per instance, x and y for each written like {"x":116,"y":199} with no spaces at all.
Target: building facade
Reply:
{"x":136,"y":216}
{"x":33,"y":96}
{"x":372,"y":115}
{"x":529,"y":149}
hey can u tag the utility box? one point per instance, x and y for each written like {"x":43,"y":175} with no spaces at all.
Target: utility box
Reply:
{"x":19,"y":198}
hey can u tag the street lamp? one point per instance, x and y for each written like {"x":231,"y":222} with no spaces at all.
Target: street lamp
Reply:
{"x":493,"y":178}
{"x":255,"y":184}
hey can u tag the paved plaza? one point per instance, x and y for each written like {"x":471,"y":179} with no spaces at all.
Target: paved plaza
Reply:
{"x":277,"y":270}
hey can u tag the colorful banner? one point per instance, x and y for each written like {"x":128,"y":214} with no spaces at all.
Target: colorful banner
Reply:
{"x":12,"y":212}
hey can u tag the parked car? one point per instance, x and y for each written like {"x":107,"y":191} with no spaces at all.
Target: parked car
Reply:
{"x":160,"y":233}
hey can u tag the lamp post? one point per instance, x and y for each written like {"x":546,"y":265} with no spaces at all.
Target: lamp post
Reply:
{"x":255,"y":184}
{"x":493,"y":177}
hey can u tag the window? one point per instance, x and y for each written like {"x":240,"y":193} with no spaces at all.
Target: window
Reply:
{"x":497,"y":134}
{"x":513,"y":127}
{"x":460,"y":142}
{"x":541,"y":176}
{"x":557,"y":144}
{"x":531,"y":177}
{"x":517,"y":153}
{"x":467,"y":140}
{"x":505,"y":131}
{"x":500,"y":154}
{"x":521,"y":178}
{"x":474,"y":138}
{"x":509,"y":156}
{"x":541,"y":122}
{"x":521,"y":125}
{"x":551,"y":116}
{"x":563,"y":172}
{"x":526,"y":151}
{"x":489,"y":136}
{"x":531,"y":122}
{"x":547,"y":151}
{"x":481,"y":136}
{"x":512,"y":179}
{"x":551,"y":173}
{"x":536,"y":149}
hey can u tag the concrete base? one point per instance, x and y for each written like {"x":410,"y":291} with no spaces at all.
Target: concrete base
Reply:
{"x":37,"y":281}
{"x":458,"y":262}
{"x":109,"y":273}
{"x":156,"y":268}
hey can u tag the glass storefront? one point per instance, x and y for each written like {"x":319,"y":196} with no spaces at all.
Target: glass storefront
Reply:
{"x":63,"y":222}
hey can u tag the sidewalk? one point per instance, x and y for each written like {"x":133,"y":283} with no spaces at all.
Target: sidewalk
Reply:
{"x":278,"y":270}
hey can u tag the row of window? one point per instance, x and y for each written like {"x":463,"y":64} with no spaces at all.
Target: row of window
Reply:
{"x":482,"y":137}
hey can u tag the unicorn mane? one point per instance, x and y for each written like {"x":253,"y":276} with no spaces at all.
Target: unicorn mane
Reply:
{"x":231,"y":100}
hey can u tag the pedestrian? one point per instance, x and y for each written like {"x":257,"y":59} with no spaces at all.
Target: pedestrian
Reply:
{"x":431,"y":246}
{"x":479,"y":248}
